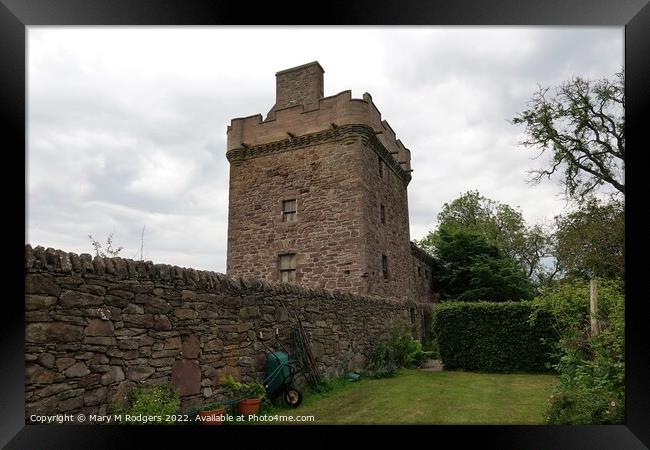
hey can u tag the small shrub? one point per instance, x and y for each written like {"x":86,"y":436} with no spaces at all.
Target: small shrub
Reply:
{"x":110,"y":251}
{"x":380,"y":362}
{"x":408,"y":352}
{"x":211,"y":406}
{"x":401,"y":350}
{"x":151,"y":401}
{"x":254,"y":389}
{"x":431,"y":348}
{"x":578,"y":405}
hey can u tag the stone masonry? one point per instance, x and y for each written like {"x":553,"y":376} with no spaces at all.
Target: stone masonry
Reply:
{"x":348,"y":175}
{"x":95,"y":328}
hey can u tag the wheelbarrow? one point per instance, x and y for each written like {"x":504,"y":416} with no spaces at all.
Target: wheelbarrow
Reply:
{"x":281,"y":369}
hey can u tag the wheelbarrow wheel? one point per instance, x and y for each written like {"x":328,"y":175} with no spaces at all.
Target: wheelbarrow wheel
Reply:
{"x":293,"y":397}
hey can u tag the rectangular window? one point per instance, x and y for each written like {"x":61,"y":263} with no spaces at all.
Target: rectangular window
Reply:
{"x":381,"y":166}
{"x":419,"y":271}
{"x":289,"y":210}
{"x":382,"y":210}
{"x":288,"y":268}
{"x":384,"y":266}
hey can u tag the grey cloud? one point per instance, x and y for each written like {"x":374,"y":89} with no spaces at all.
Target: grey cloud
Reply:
{"x":126,"y":127}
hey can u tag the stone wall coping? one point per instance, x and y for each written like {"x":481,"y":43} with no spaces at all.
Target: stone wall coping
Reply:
{"x":49,"y":260}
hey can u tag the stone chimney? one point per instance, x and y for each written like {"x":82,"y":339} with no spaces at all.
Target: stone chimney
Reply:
{"x":302,"y":85}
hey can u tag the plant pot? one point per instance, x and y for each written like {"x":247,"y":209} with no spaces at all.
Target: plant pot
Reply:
{"x":213,"y":416}
{"x":249,"y":406}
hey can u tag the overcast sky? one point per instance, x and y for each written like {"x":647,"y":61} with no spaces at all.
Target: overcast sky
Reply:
{"x":127,"y":126}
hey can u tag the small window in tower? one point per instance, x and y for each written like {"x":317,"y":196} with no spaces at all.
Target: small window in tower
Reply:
{"x":381,"y":166}
{"x":288,"y":268}
{"x":384,"y":266}
{"x":382,"y":210}
{"x":419,"y":271}
{"x":289,"y":210}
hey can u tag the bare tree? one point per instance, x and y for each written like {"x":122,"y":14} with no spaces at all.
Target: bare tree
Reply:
{"x":583,"y":126}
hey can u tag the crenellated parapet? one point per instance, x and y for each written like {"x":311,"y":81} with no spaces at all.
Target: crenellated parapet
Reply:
{"x":304,"y":117}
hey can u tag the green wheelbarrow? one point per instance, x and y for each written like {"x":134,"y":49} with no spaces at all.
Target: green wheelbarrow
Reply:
{"x":281,"y":369}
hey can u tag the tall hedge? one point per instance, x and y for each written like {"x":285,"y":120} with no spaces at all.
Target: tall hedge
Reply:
{"x":492,"y":337}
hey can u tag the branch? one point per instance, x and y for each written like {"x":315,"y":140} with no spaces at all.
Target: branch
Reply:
{"x":619,"y":139}
{"x":548,"y":173}
{"x":557,"y":140}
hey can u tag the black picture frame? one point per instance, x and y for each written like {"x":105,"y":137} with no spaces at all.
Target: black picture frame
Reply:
{"x":16,"y":15}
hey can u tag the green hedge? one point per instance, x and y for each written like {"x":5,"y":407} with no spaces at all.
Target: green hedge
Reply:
{"x":492,"y":337}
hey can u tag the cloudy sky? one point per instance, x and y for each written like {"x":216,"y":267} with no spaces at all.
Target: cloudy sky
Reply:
{"x":127,"y":126}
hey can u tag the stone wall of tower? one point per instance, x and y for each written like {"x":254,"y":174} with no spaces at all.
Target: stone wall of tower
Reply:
{"x":302,"y":85}
{"x":424,"y":266}
{"x":383,"y":187}
{"x":326,"y":237}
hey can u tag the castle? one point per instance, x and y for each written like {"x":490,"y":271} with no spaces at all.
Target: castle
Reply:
{"x":318,"y":195}
{"x":317,"y":200}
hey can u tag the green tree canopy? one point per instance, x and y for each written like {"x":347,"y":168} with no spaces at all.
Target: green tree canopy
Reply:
{"x":591,"y":240}
{"x":582,"y":126}
{"x":474,"y":269}
{"x":500,"y":224}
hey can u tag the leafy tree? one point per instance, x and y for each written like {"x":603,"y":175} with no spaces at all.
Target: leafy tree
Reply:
{"x":582,"y":125}
{"x":502,"y":226}
{"x":591,"y":240}
{"x":474,"y":269}
{"x":109,"y":251}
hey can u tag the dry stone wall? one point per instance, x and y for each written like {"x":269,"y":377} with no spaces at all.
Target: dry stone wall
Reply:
{"x":96,"y":327}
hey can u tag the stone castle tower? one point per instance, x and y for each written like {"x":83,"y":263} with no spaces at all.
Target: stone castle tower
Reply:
{"x":318,"y":194}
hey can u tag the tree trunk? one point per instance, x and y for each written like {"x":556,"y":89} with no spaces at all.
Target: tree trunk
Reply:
{"x":593,"y":307}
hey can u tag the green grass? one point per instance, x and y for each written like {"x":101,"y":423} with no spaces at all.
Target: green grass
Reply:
{"x":417,"y":397}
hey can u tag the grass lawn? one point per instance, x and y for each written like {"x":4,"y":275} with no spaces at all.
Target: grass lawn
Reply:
{"x":417,"y":397}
